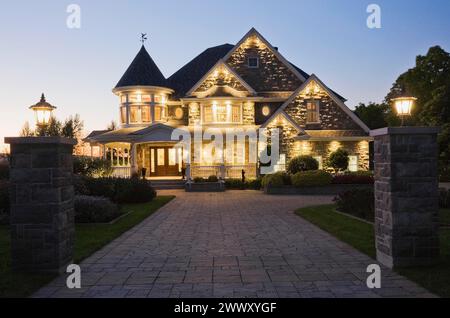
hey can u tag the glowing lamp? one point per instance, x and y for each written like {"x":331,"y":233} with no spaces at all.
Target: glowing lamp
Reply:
{"x":403,"y":106}
{"x":43,"y":112}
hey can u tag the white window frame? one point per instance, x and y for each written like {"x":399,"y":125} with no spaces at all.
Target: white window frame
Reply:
{"x":355,"y":165}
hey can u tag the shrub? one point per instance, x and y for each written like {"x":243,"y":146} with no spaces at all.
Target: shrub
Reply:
{"x":444,"y":198}
{"x":302,"y":163}
{"x":4,"y":170}
{"x":338,"y":160}
{"x":4,"y":202}
{"x":360,"y":177}
{"x":92,"y":167}
{"x":212,"y":179}
{"x":118,"y":190}
{"x":359,"y":203}
{"x":315,"y":178}
{"x":134,"y":190}
{"x":237,"y":184}
{"x":89,"y":209}
{"x":277,"y":179}
{"x":199,"y":180}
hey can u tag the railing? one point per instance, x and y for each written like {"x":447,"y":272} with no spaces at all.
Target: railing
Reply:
{"x":230,"y":171}
{"x":121,"y":172}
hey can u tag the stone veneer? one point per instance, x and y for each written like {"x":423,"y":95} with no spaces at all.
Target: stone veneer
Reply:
{"x":221,"y":79}
{"x":271,"y":75}
{"x":42,"y":211}
{"x":332,"y":117}
{"x":406,"y":196}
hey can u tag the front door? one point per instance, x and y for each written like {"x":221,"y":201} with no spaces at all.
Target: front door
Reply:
{"x":164,"y":162}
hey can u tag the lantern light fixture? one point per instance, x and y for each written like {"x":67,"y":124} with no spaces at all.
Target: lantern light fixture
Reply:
{"x":403,"y":106}
{"x":43,"y":112}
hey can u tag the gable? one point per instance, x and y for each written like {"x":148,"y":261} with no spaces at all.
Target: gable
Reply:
{"x":274,"y":72}
{"x":221,"y":81}
{"x":333,"y":113}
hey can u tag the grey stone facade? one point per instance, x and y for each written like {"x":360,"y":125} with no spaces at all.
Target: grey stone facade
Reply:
{"x":406,"y":196}
{"x":42,"y":211}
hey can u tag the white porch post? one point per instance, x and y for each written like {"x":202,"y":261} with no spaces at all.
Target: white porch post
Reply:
{"x":134,"y":167}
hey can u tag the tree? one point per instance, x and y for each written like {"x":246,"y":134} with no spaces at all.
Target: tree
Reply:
{"x":429,"y":82}
{"x":373,"y":115}
{"x":338,"y":160}
{"x":26,"y":131}
{"x":72,"y":128}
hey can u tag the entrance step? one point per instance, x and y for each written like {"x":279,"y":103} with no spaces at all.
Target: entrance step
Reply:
{"x":167,"y":184}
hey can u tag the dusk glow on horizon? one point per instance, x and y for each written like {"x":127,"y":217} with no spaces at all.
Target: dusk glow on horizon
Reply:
{"x":77,"y":68}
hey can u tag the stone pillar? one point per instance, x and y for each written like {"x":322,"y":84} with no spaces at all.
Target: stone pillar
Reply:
{"x":406,"y":196}
{"x":42,"y":211}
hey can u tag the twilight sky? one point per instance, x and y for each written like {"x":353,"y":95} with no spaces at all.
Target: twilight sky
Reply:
{"x":77,"y":68}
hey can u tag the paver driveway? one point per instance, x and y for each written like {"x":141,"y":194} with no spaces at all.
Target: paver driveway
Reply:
{"x":232,"y":244}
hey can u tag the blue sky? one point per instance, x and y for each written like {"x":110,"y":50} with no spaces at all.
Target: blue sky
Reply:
{"x":77,"y":68}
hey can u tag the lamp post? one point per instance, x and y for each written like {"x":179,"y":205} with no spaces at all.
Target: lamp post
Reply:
{"x":43,"y":112}
{"x":403,"y":106}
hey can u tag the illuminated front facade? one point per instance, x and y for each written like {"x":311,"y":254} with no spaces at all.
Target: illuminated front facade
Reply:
{"x":249,"y":85}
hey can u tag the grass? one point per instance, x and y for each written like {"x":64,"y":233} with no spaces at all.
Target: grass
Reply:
{"x":89,"y":238}
{"x":361,"y":236}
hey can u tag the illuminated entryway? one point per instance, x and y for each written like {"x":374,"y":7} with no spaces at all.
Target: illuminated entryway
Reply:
{"x":160,"y":160}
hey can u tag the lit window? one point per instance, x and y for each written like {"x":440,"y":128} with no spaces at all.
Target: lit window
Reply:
{"x":134,"y":98}
{"x":123,"y":115}
{"x":123,"y":98}
{"x":134,"y":112}
{"x":320,"y":161}
{"x":179,"y":113}
{"x":353,"y":163}
{"x":146,"y":98}
{"x":145,"y":114}
{"x":222,"y":113}
{"x":160,"y":99}
{"x":312,"y":112}
{"x":253,"y":62}
{"x":208,"y":114}
{"x":158,"y":113}
{"x":266,"y":111}
{"x":236,"y":114}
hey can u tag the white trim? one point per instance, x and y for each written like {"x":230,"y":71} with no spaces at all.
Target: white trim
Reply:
{"x":288,"y":118}
{"x":333,"y":96}
{"x":221,"y":63}
{"x":253,"y":31}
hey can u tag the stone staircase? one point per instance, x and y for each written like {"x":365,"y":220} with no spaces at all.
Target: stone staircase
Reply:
{"x":168,"y":184}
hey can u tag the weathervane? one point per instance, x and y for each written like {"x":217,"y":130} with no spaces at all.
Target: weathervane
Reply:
{"x":143,"y":37}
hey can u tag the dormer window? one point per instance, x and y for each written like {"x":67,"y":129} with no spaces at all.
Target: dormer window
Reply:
{"x":253,"y":62}
{"x":312,"y":111}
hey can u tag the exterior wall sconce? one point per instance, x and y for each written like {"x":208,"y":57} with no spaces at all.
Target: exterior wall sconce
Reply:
{"x":403,"y":106}
{"x":43,"y":112}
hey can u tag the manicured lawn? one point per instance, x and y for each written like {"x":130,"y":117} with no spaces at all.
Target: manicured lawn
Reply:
{"x":89,"y":238}
{"x":360,"y":235}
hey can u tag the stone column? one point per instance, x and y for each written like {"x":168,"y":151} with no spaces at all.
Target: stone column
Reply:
{"x":42,"y":211}
{"x":406,"y":196}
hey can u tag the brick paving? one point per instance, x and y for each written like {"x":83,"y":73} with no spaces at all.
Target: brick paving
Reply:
{"x":232,"y":244}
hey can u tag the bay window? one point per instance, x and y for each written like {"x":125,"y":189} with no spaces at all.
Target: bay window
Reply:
{"x":221,"y":113}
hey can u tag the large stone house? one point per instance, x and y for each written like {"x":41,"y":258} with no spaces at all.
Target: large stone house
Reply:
{"x":243,"y":86}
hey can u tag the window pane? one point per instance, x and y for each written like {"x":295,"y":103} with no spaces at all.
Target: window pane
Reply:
{"x":221,"y":114}
{"x":152,"y":160}
{"x":123,"y":115}
{"x":207,"y":114}
{"x":145,"y":114}
{"x":353,"y":163}
{"x":123,"y":98}
{"x":161,"y":156}
{"x":311,"y":112}
{"x":134,"y":111}
{"x":134,"y":98}
{"x":236,"y":114}
{"x":172,"y":157}
{"x":158,"y":113}
{"x":146,"y":98}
